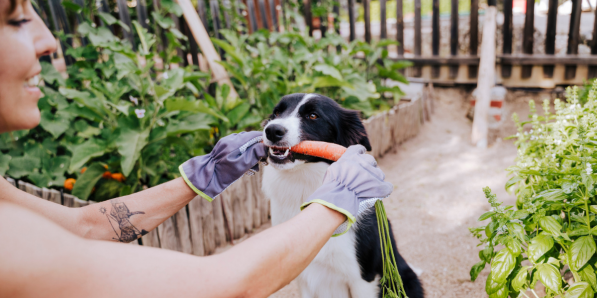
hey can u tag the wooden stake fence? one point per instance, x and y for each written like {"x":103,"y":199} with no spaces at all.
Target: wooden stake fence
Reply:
{"x":201,"y":226}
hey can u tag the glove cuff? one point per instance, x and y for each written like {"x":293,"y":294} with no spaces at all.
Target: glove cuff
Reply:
{"x":344,"y":227}
{"x":188,"y":182}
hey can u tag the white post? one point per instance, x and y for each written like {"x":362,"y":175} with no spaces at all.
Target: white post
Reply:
{"x":486,"y":79}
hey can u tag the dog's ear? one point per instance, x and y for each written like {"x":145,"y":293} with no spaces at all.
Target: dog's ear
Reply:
{"x":351,"y":130}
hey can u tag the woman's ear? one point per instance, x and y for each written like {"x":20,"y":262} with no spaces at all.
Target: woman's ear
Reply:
{"x":351,"y":130}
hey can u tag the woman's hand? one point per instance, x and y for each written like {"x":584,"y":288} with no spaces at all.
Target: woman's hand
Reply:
{"x":351,"y":185}
{"x":209,"y":175}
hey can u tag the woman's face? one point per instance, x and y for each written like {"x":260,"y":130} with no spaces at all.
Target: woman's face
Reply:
{"x":24,"y":39}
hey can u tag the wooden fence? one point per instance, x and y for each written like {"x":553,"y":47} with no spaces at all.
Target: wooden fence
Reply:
{"x":201,"y":226}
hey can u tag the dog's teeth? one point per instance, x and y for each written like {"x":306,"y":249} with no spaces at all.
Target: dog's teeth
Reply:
{"x":286,"y":153}
{"x":271,"y":151}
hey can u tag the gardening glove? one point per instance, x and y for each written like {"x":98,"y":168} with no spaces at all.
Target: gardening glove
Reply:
{"x":351,"y":185}
{"x":233,"y":156}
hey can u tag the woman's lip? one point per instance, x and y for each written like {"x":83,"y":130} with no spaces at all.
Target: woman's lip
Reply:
{"x":34,"y":91}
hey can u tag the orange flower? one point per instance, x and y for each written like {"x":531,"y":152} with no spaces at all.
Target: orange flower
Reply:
{"x":118,"y":177}
{"x":83,"y":170}
{"x":107,"y":175}
{"x":69,"y":183}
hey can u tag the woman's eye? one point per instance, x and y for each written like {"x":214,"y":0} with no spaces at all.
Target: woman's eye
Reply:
{"x":18,"y":23}
{"x":313,"y":116}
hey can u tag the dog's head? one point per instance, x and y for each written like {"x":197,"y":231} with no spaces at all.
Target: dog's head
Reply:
{"x":309,"y":117}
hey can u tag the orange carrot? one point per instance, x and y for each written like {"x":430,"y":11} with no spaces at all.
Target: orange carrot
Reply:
{"x":325,"y":150}
{"x":69,"y":183}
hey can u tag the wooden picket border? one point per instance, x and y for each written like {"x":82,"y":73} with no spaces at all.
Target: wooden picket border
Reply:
{"x":201,"y":227}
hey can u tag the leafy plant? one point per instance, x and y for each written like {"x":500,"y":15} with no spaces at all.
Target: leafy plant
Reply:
{"x":267,"y":65}
{"x":553,"y":224}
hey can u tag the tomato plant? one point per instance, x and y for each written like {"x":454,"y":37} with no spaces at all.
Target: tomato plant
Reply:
{"x":550,"y":233}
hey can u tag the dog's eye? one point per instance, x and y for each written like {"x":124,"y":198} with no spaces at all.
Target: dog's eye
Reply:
{"x":313,"y":116}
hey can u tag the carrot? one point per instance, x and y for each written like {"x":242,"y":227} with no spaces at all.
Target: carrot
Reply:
{"x":325,"y":150}
{"x":69,"y":183}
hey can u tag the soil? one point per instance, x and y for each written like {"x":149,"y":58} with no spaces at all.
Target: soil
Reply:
{"x":438,"y":178}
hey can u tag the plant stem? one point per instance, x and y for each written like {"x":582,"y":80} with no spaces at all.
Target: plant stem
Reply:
{"x":534,"y":293}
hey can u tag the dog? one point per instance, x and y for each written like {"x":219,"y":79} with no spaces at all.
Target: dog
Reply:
{"x":349,"y":265}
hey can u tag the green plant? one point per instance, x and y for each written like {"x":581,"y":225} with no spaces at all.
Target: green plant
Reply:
{"x":553,"y":224}
{"x":268,"y":65}
{"x":118,"y":111}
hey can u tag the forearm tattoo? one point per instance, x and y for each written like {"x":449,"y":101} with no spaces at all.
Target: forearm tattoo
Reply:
{"x":119,"y":220}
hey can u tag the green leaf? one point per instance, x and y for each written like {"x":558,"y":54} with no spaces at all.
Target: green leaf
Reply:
{"x":22,"y":166}
{"x":181,"y":104}
{"x":87,"y":181}
{"x":502,"y":264}
{"x":579,"y":290}
{"x":486,"y":254}
{"x":107,"y":189}
{"x":328,"y":70}
{"x":516,"y":230}
{"x":514,"y":246}
{"x":581,"y":250}
{"x":476,"y":269}
{"x":552,"y":195}
{"x":579,"y":230}
{"x":236,"y":114}
{"x":130,"y":144}
{"x":86,"y":151}
{"x":51,"y":75}
{"x":593,"y":208}
{"x":588,"y":275}
{"x":55,"y":123}
{"x":486,"y":215}
{"x":501,"y":292}
{"x":329,"y":81}
{"x":4,"y":161}
{"x":493,"y":286}
{"x":56,"y":166}
{"x":229,"y":49}
{"x":550,"y":276}
{"x":513,"y":181}
{"x":539,"y":246}
{"x":520,"y":280}
{"x":549,"y":224}
{"x":189,"y":124}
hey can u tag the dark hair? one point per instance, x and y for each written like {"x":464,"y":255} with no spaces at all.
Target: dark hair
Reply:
{"x":13,"y":5}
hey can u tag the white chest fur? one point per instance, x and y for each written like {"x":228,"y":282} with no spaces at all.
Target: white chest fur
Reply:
{"x":335,"y":270}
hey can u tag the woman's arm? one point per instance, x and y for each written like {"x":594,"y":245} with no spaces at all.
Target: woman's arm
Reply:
{"x":130,"y":217}
{"x":69,"y":266}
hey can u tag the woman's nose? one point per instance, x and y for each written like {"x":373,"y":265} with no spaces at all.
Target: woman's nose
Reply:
{"x":44,"y":41}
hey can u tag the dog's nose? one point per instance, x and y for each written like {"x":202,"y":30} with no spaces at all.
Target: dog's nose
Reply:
{"x":275,"y":132}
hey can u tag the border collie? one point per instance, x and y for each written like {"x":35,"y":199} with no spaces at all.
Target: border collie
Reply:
{"x":349,"y":265}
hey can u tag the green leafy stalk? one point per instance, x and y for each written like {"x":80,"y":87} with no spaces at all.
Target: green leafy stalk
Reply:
{"x":391,"y":282}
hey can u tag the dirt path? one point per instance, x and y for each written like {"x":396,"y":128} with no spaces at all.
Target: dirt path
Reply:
{"x":438,"y":178}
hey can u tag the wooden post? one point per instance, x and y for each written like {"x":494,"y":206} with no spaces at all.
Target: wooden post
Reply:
{"x":308,"y":15}
{"x":486,"y":79}
{"x":527,"y":39}
{"x":573,"y":37}
{"x":142,"y":13}
{"x":253,"y":25}
{"x":435,"y":69}
{"x":507,"y":35}
{"x":123,"y":13}
{"x":218,"y":220}
{"x":400,"y":27}
{"x":263,"y":13}
{"x":383,"y":16}
{"x":351,"y":20}
{"x":207,"y":48}
{"x":454,"y":37}
{"x":593,"y":68}
{"x":367,"y":11}
{"x":550,"y":36}
{"x":474,"y":36}
{"x":417,"y":71}
{"x":274,"y":15}
{"x":196,"y":225}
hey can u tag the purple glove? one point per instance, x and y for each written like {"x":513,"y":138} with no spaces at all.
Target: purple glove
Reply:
{"x":351,"y":185}
{"x":209,"y":175}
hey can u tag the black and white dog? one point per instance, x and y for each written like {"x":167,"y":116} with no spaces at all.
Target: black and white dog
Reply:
{"x":349,"y":265}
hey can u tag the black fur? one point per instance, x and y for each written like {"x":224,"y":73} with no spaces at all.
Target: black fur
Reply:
{"x":369,"y":255}
{"x":335,"y":124}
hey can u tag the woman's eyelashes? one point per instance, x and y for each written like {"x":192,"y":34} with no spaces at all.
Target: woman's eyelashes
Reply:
{"x":19,"y":22}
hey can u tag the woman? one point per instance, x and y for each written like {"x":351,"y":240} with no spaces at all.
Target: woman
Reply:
{"x":53,"y":251}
